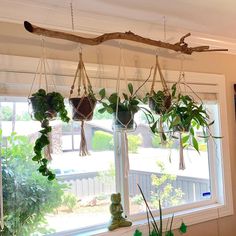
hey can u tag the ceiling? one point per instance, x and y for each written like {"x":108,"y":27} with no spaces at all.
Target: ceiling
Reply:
{"x":211,"y":22}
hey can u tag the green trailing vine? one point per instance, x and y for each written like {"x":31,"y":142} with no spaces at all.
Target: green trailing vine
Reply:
{"x":46,"y":106}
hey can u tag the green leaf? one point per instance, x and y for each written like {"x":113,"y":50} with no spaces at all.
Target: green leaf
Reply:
{"x":185,"y":139}
{"x":195,"y":143}
{"x":130,"y":87}
{"x":102,"y":110}
{"x":125,"y":96}
{"x":114,"y":98}
{"x":176,"y":121}
{"x":102,"y":93}
{"x":183,"y":228}
{"x":191,"y":131}
{"x":137,"y":233}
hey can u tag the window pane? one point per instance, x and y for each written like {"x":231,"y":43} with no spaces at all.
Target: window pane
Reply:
{"x":81,"y":194}
{"x":155,"y":167}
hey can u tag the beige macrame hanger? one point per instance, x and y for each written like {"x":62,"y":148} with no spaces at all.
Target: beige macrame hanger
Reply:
{"x":181,"y":148}
{"x":122,"y":64}
{"x":83,"y":96}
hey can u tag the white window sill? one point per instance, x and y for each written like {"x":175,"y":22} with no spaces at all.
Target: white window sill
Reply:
{"x":189,"y":217}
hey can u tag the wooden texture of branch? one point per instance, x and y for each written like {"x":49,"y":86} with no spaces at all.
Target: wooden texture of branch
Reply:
{"x":180,"y":46}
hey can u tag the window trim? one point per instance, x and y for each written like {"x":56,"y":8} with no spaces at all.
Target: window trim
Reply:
{"x":222,"y":202}
{"x":208,"y":210}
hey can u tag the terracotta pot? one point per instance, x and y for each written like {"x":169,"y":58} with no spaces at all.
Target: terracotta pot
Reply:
{"x":50,"y":112}
{"x":82,"y":108}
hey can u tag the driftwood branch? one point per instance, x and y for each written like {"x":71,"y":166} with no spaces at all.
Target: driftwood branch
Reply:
{"x":180,"y":46}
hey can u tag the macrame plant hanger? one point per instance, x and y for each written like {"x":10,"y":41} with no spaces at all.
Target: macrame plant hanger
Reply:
{"x":166,"y":91}
{"x":181,"y":148}
{"x":85,"y":102}
{"x":41,"y":70}
{"x":123,"y":126}
{"x":127,"y":123}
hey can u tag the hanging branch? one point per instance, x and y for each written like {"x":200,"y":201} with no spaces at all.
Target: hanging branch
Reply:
{"x":180,"y":46}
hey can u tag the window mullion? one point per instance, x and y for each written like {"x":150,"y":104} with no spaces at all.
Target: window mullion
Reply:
{"x":121,"y":161}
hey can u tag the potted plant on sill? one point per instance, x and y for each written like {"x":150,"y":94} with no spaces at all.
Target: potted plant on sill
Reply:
{"x":46,"y":106}
{"x":158,"y":230}
{"x":123,"y":108}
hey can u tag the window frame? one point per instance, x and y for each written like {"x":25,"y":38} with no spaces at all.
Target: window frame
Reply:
{"x":221,"y":202}
{"x":220,"y":206}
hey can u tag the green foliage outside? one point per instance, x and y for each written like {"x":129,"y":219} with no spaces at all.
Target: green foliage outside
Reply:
{"x":25,"y":116}
{"x":157,"y":142}
{"x":70,"y":201}
{"x":102,"y":141}
{"x":28,"y":196}
{"x":6,"y":113}
{"x":108,"y":176}
{"x":134,"y":141}
{"x":165,"y":191}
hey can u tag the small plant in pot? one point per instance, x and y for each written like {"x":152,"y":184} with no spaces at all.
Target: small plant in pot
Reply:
{"x":83,"y":103}
{"x":157,"y":228}
{"x":83,"y":107}
{"x":46,"y":106}
{"x":123,"y":108}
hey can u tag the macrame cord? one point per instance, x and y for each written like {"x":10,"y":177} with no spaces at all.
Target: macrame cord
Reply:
{"x":122,"y":125}
{"x":79,"y":107}
{"x":41,"y":70}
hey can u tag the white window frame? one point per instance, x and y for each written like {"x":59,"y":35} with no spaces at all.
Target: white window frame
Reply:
{"x":221,"y":202}
{"x":202,"y":211}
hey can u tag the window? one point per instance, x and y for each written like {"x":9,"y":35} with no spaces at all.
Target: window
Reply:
{"x":89,"y":181}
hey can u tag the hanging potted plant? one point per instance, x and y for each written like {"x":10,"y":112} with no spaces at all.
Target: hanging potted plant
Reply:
{"x":45,"y":107}
{"x":124,"y":108}
{"x":185,"y":117}
{"x":83,"y":103}
{"x":159,"y":101}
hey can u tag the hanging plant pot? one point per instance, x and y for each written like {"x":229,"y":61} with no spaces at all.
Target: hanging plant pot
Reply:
{"x":124,"y":120}
{"x":160,"y":104}
{"x":82,"y":108}
{"x":43,"y":103}
{"x":83,"y":103}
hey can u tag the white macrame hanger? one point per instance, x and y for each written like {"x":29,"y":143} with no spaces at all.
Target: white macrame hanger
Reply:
{"x":121,"y":64}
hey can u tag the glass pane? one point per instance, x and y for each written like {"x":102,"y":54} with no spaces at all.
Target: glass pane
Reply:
{"x":81,"y":194}
{"x":155,"y":167}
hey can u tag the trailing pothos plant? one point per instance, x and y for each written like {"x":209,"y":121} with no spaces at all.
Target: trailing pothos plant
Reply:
{"x":123,"y":107}
{"x":157,"y":228}
{"x":46,"y":106}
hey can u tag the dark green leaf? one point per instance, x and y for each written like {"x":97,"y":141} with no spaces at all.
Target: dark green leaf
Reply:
{"x":130,"y":87}
{"x":102,"y":93}
{"x":195,"y":143}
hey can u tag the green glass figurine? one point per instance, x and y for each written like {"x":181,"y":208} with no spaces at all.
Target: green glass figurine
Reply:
{"x":116,"y":209}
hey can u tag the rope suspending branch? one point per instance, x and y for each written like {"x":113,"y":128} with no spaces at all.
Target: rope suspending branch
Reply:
{"x":180,"y":46}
